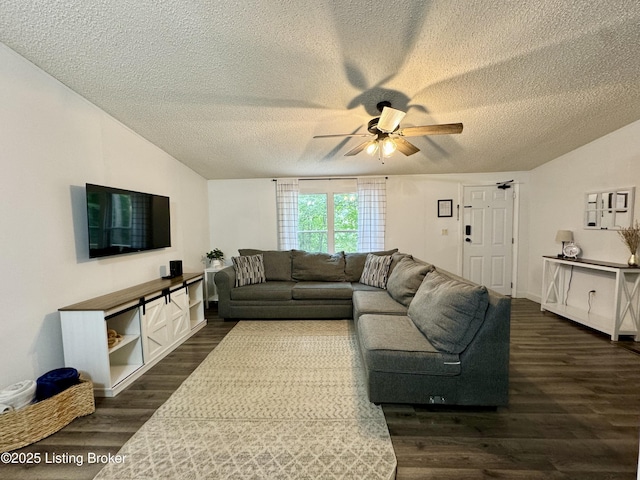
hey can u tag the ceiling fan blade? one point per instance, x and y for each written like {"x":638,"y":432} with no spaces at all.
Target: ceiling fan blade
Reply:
{"x":442,"y":129}
{"x":389,"y":120}
{"x":405,"y":147}
{"x":357,"y":150}
{"x":344,"y":135}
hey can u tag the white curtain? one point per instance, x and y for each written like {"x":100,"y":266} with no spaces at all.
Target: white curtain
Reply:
{"x":372,"y":209}
{"x":287,"y":202}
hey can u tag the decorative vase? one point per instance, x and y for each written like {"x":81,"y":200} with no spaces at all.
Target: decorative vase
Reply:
{"x":633,"y":260}
{"x":216,"y":263}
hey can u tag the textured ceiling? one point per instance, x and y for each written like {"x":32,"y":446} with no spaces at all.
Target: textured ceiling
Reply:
{"x":237,"y":89}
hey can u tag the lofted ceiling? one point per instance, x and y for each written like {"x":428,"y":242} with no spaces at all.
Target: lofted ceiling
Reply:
{"x":237,"y":89}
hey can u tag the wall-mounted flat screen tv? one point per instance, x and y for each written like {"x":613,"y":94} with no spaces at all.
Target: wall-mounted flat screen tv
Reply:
{"x":121,"y":221}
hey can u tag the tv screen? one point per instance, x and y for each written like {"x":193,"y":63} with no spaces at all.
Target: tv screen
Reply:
{"x":121,"y":221}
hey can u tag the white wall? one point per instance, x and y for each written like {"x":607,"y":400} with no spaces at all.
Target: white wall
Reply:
{"x":53,"y":142}
{"x":557,"y":192}
{"x":242,"y":214}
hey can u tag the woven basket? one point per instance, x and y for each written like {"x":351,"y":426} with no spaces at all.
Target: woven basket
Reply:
{"x":32,"y":423}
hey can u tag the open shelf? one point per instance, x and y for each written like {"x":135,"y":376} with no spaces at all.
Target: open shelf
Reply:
{"x":598,"y":322}
{"x":121,"y":372}
{"x":126,"y":339}
{"x":196,"y":303}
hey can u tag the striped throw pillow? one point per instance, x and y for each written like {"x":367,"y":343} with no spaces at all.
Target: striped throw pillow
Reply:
{"x":249,"y":269}
{"x":376,"y":270}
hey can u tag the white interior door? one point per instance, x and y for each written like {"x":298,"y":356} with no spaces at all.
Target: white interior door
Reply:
{"x":487,"y":251}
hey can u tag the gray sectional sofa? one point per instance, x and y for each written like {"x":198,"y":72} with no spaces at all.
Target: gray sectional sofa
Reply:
{"x":426,"y":336}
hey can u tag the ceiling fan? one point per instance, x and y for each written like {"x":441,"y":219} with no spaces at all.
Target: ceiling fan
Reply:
{"x":386,"y":136}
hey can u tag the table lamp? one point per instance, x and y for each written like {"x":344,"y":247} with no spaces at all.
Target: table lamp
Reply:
{"x":564,"y":236}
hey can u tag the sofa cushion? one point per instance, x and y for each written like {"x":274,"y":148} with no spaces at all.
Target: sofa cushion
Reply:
{"x":392,"y":343}
{"x":317,"y":267}
{"x":376,"y":270}
{"x":354,"y":263}
{"x":375,"y":302}
{"x":448,"y":311}
{"x":321,"y":290}
{"x":357,"y":286}
{"x":277,"y":263}
{"x":406,"y":278}
{"x":264,"y":292}
{"x":249,"y":269}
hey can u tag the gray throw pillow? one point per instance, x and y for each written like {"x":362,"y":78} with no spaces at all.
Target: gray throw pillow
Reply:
{"x":317,"y":267}
{"x":406,"y":278}
{"x":448,"y":312}
{"x":376,"y":270}
{"x":277,"y":263}
{"x":395,"y":258}
{"x":354,"y":263}
{"x":249,"y":270}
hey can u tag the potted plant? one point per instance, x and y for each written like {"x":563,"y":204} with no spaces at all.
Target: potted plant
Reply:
{"x":215,"y":257}
{"x":631,"y":238}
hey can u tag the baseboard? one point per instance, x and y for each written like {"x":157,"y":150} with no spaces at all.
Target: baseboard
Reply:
{"x":533,"y":298}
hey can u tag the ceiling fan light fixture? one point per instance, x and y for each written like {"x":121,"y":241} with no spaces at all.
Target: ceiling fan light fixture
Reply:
{"x":388,"y":147}
{"x":372,"y":148}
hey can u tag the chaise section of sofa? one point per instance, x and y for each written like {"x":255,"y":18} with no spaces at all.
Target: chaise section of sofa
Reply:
{"x":407,"y":364}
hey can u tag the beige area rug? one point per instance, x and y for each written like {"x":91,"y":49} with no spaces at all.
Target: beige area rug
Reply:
{"x":274,"y":400}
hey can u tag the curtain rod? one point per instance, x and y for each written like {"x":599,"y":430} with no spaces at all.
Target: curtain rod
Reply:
{"x":326,"y":178}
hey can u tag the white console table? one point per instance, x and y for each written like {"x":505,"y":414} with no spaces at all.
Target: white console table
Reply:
{"x":555,"y":277}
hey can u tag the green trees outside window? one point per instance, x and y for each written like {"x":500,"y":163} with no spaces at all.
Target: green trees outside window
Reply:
{"x":328,"y":223}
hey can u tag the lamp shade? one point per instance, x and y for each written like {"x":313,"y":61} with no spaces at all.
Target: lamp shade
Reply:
{"x":564,"y":236}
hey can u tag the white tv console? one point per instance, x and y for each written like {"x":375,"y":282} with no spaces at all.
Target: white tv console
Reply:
{"x":625,"y":316}
{"x":153,"y":318}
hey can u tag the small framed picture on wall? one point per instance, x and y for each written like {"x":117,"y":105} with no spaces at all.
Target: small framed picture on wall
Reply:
{"x":445,"y":208}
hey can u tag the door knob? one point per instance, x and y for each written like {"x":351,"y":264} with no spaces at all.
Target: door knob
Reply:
{"x":467,"y":240}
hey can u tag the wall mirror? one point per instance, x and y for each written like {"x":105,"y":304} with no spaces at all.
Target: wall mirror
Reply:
{"x":609,"y":209}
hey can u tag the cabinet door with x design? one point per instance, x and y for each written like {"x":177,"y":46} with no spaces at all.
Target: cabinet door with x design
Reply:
{"x":165,"y":321}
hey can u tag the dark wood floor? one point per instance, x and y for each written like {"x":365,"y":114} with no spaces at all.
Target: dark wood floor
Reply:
{"x":574,"y":413}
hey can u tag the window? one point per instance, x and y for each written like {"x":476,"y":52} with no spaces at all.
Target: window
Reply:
{"x":345,"y":222}
{"x":328,"y":216}
{"x":312,"y":222}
